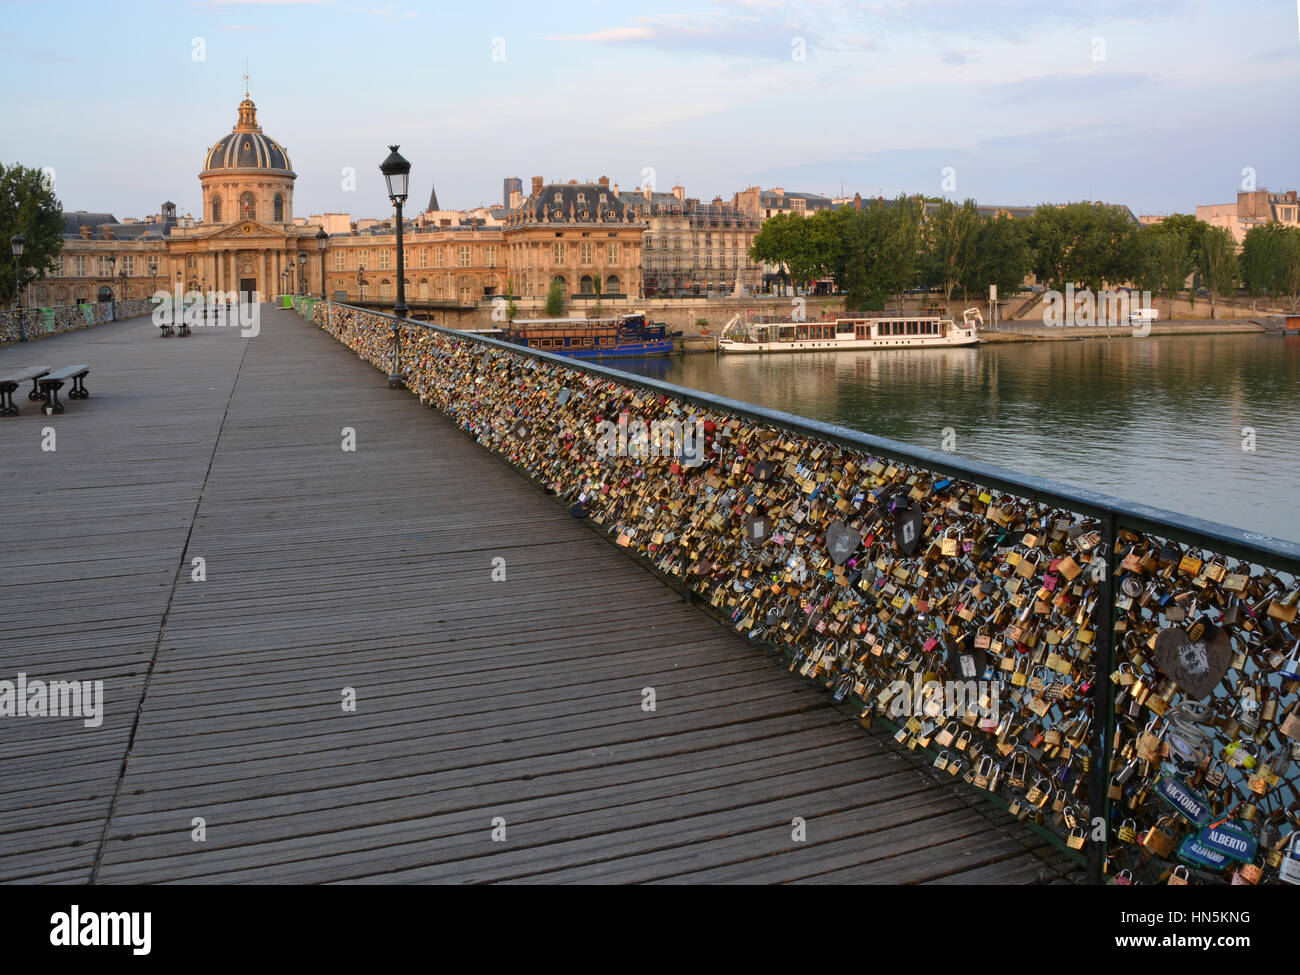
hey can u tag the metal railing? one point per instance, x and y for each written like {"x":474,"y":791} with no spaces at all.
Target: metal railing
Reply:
{"x":1150,"y":684}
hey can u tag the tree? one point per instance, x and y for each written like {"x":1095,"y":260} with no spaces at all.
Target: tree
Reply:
{"x":1084,"y":244}
{"x":1260,"y":252}
{"x":596,"y":287}
{"x":1164,"y":260}
{"x":901,"y":250}
{"x":512,"y":309}
{"x":1000,"y":256}
{"x":28,"y":207}
{"x":949,"y":239}
{"x":1288,"y":266}
{"x":555,"y":299}
{"x":1218,"y":261}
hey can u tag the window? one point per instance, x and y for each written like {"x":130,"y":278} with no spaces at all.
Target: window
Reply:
{"x":586,"y":252}
{"x":611,"y":253}
{"x":385,"y":288}
{"x":81,"y":266}
{"x":490,"y":254}
{"x":612,"y":285}
{"x":464,"y":294}
{"x":464,"y":255}
{"x":437,"y":257}
{"x":340,"y":260}
{"x":585,"y":285}
{"x":424,"y":257}
{"x":424,"y":287}
{"x":384,"y":258}
{"x":247,"y":207}
{"x":192,"y":261}
{"x":128,"y":264}
{"x":105,"y":266}
{"x":279,"y":208}
{"x":557,"y":252}
{"x":216,"y":209}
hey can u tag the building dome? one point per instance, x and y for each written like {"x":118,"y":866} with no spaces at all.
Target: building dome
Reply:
{"x":245,"y":147}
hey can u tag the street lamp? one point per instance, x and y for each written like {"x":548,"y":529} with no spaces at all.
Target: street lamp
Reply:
{"x":397,"y":173}
{"x":302,"y":272}
{"x":112,"y":295}
{"x":122,"y":276}
{"x":361,"y":284}
{"x":288,"y":289}
{"x":322,"y":241}
{"x":153,"y":275}
{"x":17,"y":242}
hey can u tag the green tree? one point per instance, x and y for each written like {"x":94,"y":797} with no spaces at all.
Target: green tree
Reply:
{"x":1217,"y":253}
{"x":901,"y":246}
{"x":1000,"y":257}
{"x":1163,"y":260}
{"x":1084,"y":244}
{"x":1288,"y":266}
{"x":949,"y":240}
{"x":596,"y":287}
{"x":28,"y":207}
{"x":1258,"y":255}
{"x":512,"y":309}
{"x":555,"y":299}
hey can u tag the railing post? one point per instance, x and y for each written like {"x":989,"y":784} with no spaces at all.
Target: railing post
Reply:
{"x":1103,"y":702}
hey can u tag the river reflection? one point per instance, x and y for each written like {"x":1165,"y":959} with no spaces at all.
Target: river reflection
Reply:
{"x":1158,"y":420}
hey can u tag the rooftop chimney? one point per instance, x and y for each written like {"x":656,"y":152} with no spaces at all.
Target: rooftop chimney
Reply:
{"x":537,"y":185}
{"x":679,"y":192}
{"x":603,"y":181}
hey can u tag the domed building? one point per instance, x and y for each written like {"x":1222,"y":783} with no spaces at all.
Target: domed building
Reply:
{"x":246,"y":175}
{"x":246,"y":240}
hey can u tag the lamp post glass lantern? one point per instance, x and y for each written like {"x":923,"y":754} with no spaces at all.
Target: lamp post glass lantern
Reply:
{"x":17,"y":243}
{"x":397,"y":174}
{"x":302,"y":273}
{"x":322,"y":242}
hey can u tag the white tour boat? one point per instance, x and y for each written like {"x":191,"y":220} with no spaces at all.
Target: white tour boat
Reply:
{"x":894,"y":332}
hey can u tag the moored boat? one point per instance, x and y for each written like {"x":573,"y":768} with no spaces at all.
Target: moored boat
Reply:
{"x":893,"y":332}
{"x":591,"y":338}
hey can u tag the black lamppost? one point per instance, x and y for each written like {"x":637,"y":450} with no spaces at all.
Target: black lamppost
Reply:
{"x":361,"y":284}
{"x":397,"y":173}
{"x":17,"y":242}
{"x":302,"y":273}
{"x":153,"y":275}
{"x":112,"y":295}
{"x":122,"y":277}
{"x":289,"y":270}
{"x":322,"y":241}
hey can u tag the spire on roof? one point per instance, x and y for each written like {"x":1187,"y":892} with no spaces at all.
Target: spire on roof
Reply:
{"x":433,"y":199}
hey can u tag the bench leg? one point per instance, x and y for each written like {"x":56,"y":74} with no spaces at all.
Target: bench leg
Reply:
{"x":36,"y":393}
{"x":79,"y":388}
{"x":51,"y":405}
{"x":7,"y":407}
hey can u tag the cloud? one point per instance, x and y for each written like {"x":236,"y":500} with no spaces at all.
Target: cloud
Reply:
{"x":1069,"y":87}
{"x":721,"y":33}
{"x":242,"y":27}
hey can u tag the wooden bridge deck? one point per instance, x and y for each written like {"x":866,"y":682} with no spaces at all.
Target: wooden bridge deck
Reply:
{"x":371,"y":570}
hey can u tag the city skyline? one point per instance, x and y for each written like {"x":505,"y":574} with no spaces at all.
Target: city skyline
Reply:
{"x":1003,"y":102}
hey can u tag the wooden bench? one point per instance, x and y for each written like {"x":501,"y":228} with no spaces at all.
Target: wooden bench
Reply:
{"x":9,"y":385}
{"x":51,"y":384}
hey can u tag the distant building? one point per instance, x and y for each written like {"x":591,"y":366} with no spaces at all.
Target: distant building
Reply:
{"x":512,"y":192}
{"x":578,"y":234}
{"x":1253,"y":208}
{"x":692,"y":248}
{"x":761,"y":204}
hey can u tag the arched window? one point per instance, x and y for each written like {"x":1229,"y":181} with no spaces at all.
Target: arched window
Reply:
{"x":612,"y":285}
{"x":216,"y":209}
{"x":424,"y":289}
{"x":247,"y":207}
{"x":564,"y":285}
{"x":585,"y":286}
{"x":385,"y":288}
{"x":279,"y":208}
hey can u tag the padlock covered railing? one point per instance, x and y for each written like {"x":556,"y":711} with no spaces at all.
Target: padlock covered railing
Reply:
{"x":1094,"y":663}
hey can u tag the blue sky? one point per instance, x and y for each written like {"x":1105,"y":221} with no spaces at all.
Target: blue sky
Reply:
{"x":1157,"y":104}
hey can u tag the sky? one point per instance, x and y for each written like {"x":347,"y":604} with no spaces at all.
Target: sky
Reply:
{"x":1159,"y":105}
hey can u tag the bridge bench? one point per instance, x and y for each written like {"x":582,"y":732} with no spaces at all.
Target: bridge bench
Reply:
{"x":51,"y":384}
{"x":9,"y":385}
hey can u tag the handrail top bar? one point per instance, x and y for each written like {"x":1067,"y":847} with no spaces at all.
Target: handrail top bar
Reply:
{"x":1250,"y":546}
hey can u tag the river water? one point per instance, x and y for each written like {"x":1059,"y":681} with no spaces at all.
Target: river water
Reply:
{"x":1158,"y":420}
